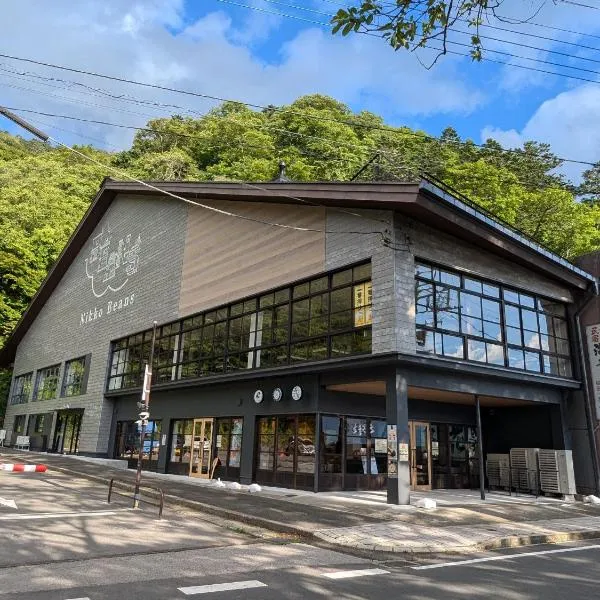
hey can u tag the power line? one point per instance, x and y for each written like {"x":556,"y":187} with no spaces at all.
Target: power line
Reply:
{"x":313,"y":117}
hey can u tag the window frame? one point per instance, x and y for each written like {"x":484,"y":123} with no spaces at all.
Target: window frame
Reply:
{"x":509,"y":300}
{"x":66,"y":385}
{"x":41,"y":377}
{"x":22,"y":397}
{"x":210,"y":343}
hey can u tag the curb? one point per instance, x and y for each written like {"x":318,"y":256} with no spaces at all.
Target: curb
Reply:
{"x":513,"y":541}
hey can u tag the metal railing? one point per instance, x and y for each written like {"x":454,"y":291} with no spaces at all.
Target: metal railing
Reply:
{"x":159,"y":501}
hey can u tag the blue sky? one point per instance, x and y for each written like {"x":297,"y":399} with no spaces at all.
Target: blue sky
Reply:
{"x":220,"y":48}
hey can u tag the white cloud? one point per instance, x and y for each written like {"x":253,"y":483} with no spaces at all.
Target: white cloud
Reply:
{"x":570,"y":122}
{"x":151,"y":40}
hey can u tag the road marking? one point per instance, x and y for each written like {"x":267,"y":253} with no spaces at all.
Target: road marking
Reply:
{"x":86,"y":598}
{"x":9,"y":503}
{"x":505,"y":557}
{"x":221,"y":587}
{"x":356,"y":573}
{"x":62,"y":515}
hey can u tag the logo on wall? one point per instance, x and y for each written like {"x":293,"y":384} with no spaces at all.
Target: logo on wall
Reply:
{"x":109,"y":266}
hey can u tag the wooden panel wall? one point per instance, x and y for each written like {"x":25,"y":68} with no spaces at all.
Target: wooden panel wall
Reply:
{"x":226,"y":258}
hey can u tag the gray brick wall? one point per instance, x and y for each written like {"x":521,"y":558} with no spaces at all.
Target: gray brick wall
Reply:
{"x":58,"y":334}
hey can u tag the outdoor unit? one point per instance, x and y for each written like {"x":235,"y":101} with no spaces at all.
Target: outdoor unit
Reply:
{"x":556,"y":472}
{"x":524,"y":469}
{"x":498,"y":470}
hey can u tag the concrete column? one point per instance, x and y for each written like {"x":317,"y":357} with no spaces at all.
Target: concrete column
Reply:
{"x":248,"y":447}
{"x":396,"y":408}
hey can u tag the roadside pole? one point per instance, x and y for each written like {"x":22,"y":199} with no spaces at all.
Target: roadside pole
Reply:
{"x":144,"y":415}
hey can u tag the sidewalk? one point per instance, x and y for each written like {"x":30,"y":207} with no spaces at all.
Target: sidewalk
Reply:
{"x":360,"y":520}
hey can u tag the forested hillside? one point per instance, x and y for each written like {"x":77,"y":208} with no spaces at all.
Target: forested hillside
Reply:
{"x":45,"y":191}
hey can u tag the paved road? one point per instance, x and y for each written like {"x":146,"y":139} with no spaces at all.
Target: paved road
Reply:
{"x":63,"y":542}
{"x":299,"y":571}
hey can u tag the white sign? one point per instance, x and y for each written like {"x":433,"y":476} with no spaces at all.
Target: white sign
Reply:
{"x":593,"y":339}
{"x":109,"y":267}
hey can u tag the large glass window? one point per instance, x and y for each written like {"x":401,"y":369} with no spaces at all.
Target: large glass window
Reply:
{"x":228,"y":443}
{"x":329,"y":316}
{"x":366,"y":446}
{"x":181,"y":444}
{"x":127,"y":441}
{"x":286,"y":444}
{"x":46,"y":383}
{"x":463,"y":317}
{"x":74,"y":377}
{"x":21,"y":389}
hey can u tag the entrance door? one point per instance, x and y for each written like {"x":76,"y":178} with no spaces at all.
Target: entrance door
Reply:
{"x":420,"y":456}
{"x":200,"y":465}
{"x":66,"y":432}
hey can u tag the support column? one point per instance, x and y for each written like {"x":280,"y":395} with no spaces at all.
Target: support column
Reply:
{"x":248,"y":447}
{"x":480,"y":442}
{"x":396,"y":408}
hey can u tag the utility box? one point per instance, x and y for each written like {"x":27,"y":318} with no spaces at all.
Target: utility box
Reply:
{"x":498,"y":470}
{"x":524,"y":469}
{"x":556,"y":472}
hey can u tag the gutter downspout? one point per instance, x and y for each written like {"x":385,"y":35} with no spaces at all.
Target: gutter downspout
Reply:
{"x":586,"y":386}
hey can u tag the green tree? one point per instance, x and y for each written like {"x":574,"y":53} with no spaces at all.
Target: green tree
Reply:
{"x":414,"y":24}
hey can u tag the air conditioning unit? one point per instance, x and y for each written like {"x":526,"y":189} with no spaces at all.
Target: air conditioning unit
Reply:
{"x":498,"y":470}
{"x":556,"y":472}
{"x":524,"y":469}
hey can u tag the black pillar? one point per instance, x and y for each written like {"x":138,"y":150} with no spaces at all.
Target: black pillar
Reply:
{"x":480,"y":442}
{"x":396,"y":408}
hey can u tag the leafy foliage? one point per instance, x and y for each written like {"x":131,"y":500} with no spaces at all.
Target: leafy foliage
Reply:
{"x":414,"y":24}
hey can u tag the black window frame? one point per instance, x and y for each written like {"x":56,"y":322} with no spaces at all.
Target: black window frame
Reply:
{"x":51,"y":373}
{"x":20,"y":393}
{"x":70,"y":385}
{"x":510,"y":299}
{"x":255,"y":332}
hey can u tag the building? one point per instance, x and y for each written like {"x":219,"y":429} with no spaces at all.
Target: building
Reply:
{"x":310,"y":335}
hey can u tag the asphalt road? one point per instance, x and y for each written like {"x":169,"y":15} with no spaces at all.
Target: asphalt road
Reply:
{"x":63,"y":542}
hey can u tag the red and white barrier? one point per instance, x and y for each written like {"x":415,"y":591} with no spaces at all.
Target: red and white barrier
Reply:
{"x":16,"y":468}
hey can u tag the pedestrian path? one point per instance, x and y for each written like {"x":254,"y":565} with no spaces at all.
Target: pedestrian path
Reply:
{"x":402,"y":537}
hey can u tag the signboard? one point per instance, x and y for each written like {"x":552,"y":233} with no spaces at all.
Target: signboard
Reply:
{"x":392,"y":451}
{"x":380,"y":446}
{"x":403,"y":452}
{"x":593,"y":339}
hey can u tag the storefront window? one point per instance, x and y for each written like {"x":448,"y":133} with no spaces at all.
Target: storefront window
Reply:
{"x":331,"y":444}
{"x":286,"y":450}
{"x":228,"y":443}
{"x":181,"y":441}
{"x":127,"y":441}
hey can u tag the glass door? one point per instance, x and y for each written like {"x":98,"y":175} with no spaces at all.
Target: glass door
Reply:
{"x":201,"y":463}
{"x":420,"y":456}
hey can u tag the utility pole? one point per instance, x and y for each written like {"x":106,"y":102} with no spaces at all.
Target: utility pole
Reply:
{"x":24,"y":124}
{"x":144,"y":416}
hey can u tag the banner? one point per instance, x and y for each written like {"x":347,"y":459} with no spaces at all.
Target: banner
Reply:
{"x":593,"y":339}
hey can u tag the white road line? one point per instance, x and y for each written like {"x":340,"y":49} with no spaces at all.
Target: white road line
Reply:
{"x":356,"y":573}
{"x":62,"y":515}
{"x":86,"y":598}
{"x":473,"y":561}
{"x":221,"y":587}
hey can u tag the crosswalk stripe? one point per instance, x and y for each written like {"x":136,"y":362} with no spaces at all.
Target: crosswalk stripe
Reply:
{"x":86,"y":598}
{"x":356,"y":573}
{"x":221,"y":587}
